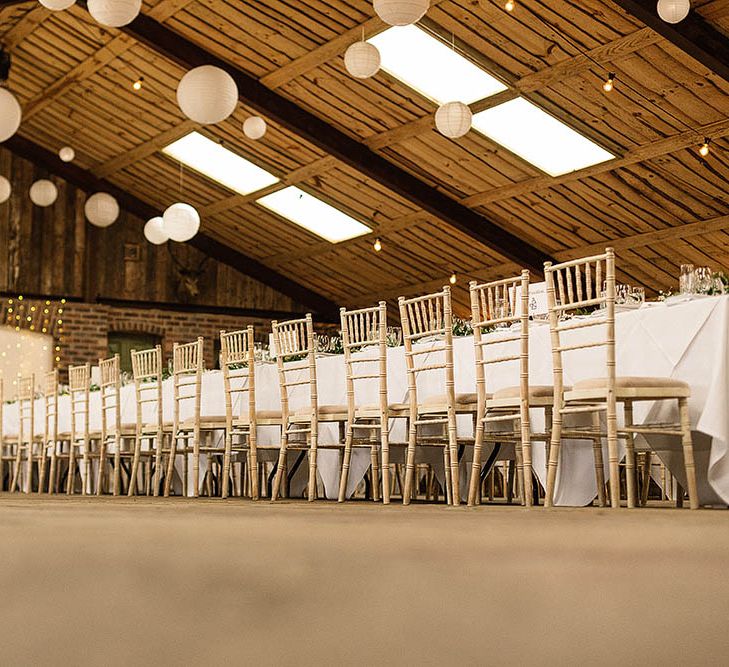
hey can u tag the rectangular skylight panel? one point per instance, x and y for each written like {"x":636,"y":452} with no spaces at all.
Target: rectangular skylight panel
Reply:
{"x":539,"y":138}
{"x":313,"y":214}
{"x":219,"y":164}
{"x":432,"y":67}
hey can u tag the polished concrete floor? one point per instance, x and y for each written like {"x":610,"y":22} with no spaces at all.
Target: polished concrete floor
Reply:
{"x":144,"y":581}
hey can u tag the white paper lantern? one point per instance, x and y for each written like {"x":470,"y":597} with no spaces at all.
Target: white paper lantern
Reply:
{"x":673,"y":11}
{"x":43,"y":193}
{"x":207,"y":94}
{"x":101,"y":209}
{"x":362,"y":60}
{"x":67,"y":154}
{"x":254,"y":127}
{"x":154,"y":231}
{"x":181,"y":222}
{"x":5,"y":189}
{"x":453,"y":119}
{"x":401,"y":12}
{"x":57,"y":5}
{"x":10,"y":114}
{"x":114,"y":13}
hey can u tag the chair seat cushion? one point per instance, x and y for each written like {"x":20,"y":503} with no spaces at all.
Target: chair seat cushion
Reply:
{"x":442,"y":399}
{"x":630,"y":382}
{"x":323,"y":410}
{"x":394,"y":407}
{"x":535,"y":391}
{"x":261,"y":415}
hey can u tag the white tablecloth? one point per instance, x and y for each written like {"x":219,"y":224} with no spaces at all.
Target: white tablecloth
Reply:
{"x":686,"y":340}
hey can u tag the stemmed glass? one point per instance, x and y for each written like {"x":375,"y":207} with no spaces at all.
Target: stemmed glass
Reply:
{"x":703,"y":278}
{"x":686,"y":281}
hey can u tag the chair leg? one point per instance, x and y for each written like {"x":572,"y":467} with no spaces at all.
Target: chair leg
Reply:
{"x":630,"y":466}
{"x":688,"y":453}
{"x":71,"y":478}
{"x":455,"y":471}
{"x":410,"y":463}
{"x":116,"y":484}
{"x":132,"y":487}
{"x":385,"y":462}
{"x":599,"y":462}
{"x":195,"y":463}
{"x":645,"y":487}
{"x":613,"y":459}
{"x":86,"y":463}
{"x":225,"y":482}
{"x":171,"y":465}
{"x":554,"y":451}
{"x":255,"y":493}
{"x":519,"y":473}
{"x":52,"y":471}
{"x":448,"y":479}
{"x":375,"y":465}
{"x":346,"y":460}
{"x":475,"y":478}
{"x":42,"y":463}
{"x":102,"y":466}
{"x":280,"y":468}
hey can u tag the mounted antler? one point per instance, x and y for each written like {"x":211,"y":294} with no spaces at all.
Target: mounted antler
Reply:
{"x":188,"y":286}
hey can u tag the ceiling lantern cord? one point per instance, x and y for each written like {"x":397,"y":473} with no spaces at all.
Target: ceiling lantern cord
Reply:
{"x":207,"y":95}
{"x":401,"y":12}
{"x":673,"y":11}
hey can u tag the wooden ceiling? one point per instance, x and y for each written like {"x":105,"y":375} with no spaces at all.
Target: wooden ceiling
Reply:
{"x":658,"y":203}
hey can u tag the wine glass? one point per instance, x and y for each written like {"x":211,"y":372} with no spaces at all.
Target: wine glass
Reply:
{"x":703,"y":279}
{"x":686,"y":281}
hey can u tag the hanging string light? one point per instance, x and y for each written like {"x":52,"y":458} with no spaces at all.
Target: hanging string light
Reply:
{"x":377,"y":245}
{"x":704,"y":148}
{"x":509,"y":6}
{"x":609,"y":82}
{"x":453,"y":279}
{"x":137,"y":85}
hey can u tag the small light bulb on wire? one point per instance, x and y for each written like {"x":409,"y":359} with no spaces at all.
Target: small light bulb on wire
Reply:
{"x":137,"y":85}
{"x":453,"y":278}
{"x":609,"y":83}
{"x":509,"y":6}
{"x":377,"y":245}
{"x":704,"y":149}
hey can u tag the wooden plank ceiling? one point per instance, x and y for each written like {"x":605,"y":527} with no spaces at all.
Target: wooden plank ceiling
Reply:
{"x":658,"y":202}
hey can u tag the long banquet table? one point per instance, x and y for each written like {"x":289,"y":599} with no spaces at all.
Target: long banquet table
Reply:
{"x":685,"y":339}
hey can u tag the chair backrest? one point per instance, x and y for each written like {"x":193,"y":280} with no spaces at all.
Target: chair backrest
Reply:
{"x":79,"y":384}
{"x":110,"y":388}
{"x":50,"y":400}
{"x":365,"y":331}
{"x":422,"y":318}
{"x":237,"y":359}
{"x":500,"y":303}
{"x":147,"y":372}
{"x":187,"y":369}
{"x":575,"y":285}
{"x":296,"y":338}
{"x":26,"y":408}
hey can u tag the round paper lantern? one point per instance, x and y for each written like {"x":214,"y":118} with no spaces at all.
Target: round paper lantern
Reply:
{"x":181,"y":222}
{"x":154,"y":231}
{"x":10,"y":114}
{"x":362,"y":60}
{"x":401,"y":12}
{"x":207,"y":94}
{"x":114,"y":13}
{"x":673,"y":11}
{"x":67,"y":154}
{"x":5,"y":189}
{"x":453,"y":119}
{"x":43,"y":193}
{"x":254,"y":127}
{"x":56,"y":5}
{"x":101,"y":209}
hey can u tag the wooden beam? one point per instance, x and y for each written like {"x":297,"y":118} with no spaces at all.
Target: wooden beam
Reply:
{"x":341,"y":146}
{"x":87,"y":182}
{"x":718,"y":224}
{"x":24,"y":27}
{"x":694,"y":35}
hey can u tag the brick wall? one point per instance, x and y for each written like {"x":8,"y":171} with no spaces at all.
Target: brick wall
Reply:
{"x":86,"y":327}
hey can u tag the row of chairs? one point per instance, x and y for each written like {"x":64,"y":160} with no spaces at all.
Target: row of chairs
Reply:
{"x":145,"y":454}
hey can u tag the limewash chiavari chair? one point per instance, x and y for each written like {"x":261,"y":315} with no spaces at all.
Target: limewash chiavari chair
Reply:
{"x":26,"y":433}
{"x":50,"y":432}
{"x":237,"y":359}
{"x":4,"y":453}
{"x":424,"y":318}
{"x":503,"y":303}
{"x":112,"y":432}
{"x":79,"y":382}
{"x":147,"y":372}
{"x":296,"y":338}
{"x":577,"y":284}
{"x":187,"y":370}
{"x":364,"y":336}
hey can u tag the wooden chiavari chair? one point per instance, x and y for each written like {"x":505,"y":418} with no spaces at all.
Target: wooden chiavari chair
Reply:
{"x":237,"y":360}
{"x":577,"y":284}
{"x":81,"y":437}
{"x":113,"y":434}
{"x":423,"y":318}
{"x":26,"y":434}
{"x":5,"y":455}
{"x":296,"y":338}
{"x":50,"y":432}
{"x":364,"y":336}
{"x":147,"y":372}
